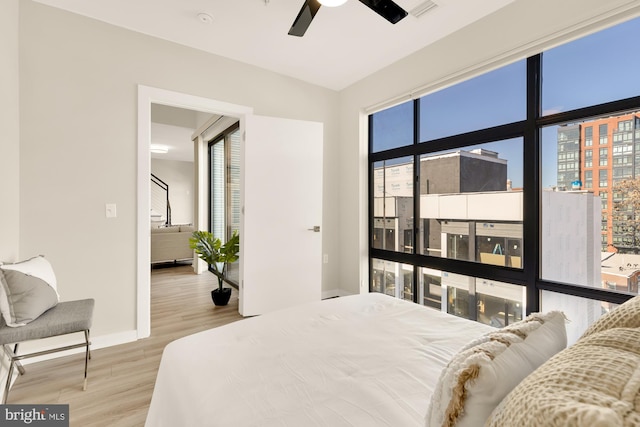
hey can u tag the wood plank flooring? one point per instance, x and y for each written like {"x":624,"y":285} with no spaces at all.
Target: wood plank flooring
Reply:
{"x":121,"y":378}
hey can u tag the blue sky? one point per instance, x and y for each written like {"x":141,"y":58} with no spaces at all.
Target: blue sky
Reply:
{"x":602,"y":67}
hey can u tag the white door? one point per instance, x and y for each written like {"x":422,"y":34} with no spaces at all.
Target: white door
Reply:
{"x":280,"y":252}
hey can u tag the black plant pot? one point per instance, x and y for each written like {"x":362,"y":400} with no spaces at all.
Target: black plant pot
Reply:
{"x":221,"y":297}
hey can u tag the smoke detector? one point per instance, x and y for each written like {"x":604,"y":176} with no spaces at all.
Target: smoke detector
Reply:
{"x":205,"y":18}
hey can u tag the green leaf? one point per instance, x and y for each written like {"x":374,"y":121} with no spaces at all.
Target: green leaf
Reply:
{"x":212,"y":251}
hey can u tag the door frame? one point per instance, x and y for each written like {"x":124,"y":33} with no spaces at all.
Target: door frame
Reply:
{"x":146,"y":96}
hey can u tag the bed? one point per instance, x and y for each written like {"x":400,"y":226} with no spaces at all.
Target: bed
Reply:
{"x":362,"y":360}
{"x":373,"y":360}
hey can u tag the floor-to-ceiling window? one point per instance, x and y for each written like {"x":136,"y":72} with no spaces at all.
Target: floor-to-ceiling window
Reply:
{"x":224,"y":184}
{"x":517,"y":190}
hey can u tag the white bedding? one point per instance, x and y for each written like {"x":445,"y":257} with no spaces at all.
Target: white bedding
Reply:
{"x":362,"y":360}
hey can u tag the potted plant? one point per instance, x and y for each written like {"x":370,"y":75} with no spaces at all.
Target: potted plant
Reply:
{"x":214,"y":253}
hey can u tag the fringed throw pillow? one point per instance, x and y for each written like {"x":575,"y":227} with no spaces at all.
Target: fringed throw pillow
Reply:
{"x":487,"y":369}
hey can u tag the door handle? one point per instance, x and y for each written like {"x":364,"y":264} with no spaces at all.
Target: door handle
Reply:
{"x":315,"y":229}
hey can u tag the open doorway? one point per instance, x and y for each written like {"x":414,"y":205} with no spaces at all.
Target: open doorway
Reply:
{"x":292,"y":218}
{"x":148,"y":97}
{"x":172,"y":182}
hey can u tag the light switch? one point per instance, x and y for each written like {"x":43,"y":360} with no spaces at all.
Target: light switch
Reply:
{"x":111,"y":210}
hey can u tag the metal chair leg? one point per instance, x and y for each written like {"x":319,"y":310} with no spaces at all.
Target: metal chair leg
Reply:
{"x":17,"y":362}
{"x":87,"y":355}
{"x":8,"y":383}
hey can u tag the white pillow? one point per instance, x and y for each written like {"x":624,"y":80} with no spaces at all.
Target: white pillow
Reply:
{"x":38,"y":267}
{"x":27,"y":289}
{"x":485,"y":371}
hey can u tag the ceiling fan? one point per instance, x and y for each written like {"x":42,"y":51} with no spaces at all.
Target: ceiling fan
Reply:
{"x":385,"y":8}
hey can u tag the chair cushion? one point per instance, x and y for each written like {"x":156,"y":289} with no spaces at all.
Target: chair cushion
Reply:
{"x":27,"y":289}
{"x":65,"y":318}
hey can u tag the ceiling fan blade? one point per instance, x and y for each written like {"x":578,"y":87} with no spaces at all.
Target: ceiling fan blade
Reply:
{"x":304,"y":18}
{"x":387,"y":9}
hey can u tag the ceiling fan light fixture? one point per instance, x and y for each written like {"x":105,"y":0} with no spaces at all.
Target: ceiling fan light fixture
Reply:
{"x":332,"y":3}
{"x":387,"y":9}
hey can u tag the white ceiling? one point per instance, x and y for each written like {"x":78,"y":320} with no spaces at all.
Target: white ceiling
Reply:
{"x":172,"y":128}
{"x":343,"y":44}
{"x":176,"y":139}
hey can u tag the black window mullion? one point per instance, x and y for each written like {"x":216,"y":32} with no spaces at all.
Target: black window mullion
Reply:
{"x":613,"y":107}
{"x":531,"y":180}
{"x":416,"y":194}
{"x":598,"y":294}
{"x":467,"y":268}
{"x":370,"y":216}
{"x":511,"y":130}
{"x":210,"y":177}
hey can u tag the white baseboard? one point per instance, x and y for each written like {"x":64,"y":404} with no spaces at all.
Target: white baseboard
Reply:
{"x":114,"y":339}
{"x":332,"y":293}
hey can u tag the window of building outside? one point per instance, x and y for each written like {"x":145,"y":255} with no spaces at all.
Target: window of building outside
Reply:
{"x":604,"y":157}
{"x":588,"y":179}
{"x":224,"y":184}
{"x":496,"y":235}
{"x":476,"y":214}
{"x":392,"y":279}
{"x":393,"y":205}
{"x":603,"y":175}
{"x":603,"y":136}
{"x":588,"y":136}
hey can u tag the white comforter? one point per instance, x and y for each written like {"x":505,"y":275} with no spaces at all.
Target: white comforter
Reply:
{"x":363,"y":360}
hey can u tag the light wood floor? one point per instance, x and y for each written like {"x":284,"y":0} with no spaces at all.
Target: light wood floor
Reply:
{"x":121,"y":378}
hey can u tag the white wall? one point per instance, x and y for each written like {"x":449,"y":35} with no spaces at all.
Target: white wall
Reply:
{"x":515,"y":32}
{"x":571,"y":248}
{"x":78,"y":93}
{"x":179,"y":176}
{"x":9,"y":131}
{"x":9,"y":143}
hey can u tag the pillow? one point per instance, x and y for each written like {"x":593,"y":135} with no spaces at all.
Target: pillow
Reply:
{"x":595,"y":383}
{"x":27,"y":289}
{"x":478,"y":377}
{"x":627,"y":315}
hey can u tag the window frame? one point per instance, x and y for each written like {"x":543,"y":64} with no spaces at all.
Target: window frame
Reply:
{"x":225,"y":138}
{"x":528,"y":129}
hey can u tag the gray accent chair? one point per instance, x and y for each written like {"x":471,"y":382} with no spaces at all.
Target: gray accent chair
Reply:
{"x":65,"y":318}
